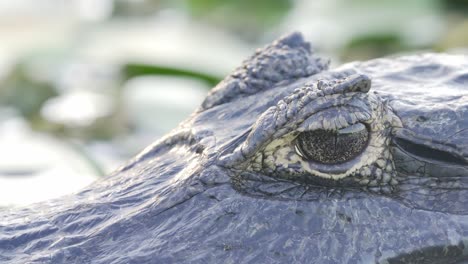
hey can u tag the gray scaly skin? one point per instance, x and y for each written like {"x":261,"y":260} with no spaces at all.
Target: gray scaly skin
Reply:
{"x":285,"y":162}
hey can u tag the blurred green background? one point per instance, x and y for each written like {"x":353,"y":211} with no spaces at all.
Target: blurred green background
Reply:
{"x":86,"y":84}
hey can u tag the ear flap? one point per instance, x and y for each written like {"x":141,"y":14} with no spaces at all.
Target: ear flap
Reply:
{"x":288,"y":58}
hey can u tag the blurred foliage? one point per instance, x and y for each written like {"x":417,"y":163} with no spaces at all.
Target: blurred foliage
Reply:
{"x":103,"y":128}
{"x":372,"y":46}
{"x":456,"y":37}
{"x":135,"y":8}
{"x":245,"y":17}
{"x":20,"y":91}
{"x":28,"y":94}
{"x":460,"y":6}
{"x":131,"y":70}
{"x":93,"y":163}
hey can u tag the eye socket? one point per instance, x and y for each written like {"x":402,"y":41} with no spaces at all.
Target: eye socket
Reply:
{"x":332,"y":147}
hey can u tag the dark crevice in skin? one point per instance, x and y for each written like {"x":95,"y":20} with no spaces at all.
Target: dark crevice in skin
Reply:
{"x":443,"y":254}
{"x":309,"y":189}
{"x":426,"y":152}
{"x":429,"y":186}
{"x":233,"y":143}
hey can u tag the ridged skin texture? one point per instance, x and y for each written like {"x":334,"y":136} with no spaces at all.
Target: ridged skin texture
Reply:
{"x":228,"y":185}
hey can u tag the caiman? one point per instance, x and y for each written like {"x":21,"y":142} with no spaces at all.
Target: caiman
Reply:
{"x":286,"y":161}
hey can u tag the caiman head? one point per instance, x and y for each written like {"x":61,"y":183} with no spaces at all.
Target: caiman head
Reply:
{"x":285,"y":161}
{"x":284,"y":117}
{"x":289,"y":129}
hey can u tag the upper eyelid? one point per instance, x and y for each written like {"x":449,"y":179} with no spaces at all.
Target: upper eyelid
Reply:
{"x":345,"y":119}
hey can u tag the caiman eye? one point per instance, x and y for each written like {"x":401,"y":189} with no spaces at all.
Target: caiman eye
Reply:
{"x":332,"y":147}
